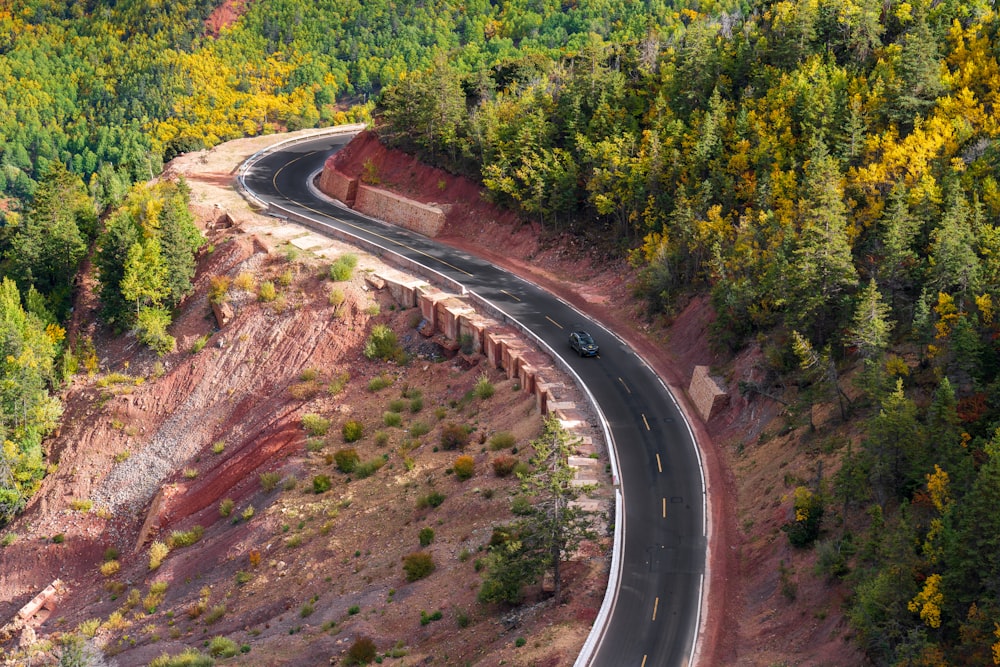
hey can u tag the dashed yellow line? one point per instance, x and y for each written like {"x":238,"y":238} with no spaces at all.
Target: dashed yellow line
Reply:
{"x":646,"y":423}
{"x":664,"y":508}
{"x":656,"y":604}
{"x":625,"y":385}
{"x":503,"y":291}
{"x":659,"y":466}
{"x":643,"y":662}
{"x":553,"y":321}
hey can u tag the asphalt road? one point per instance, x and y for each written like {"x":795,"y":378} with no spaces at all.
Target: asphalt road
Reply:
{"x":655,"y":615}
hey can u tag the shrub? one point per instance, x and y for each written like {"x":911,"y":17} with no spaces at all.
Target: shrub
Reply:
{"x":426,"y":536}
{"x":521,"y":505}
{"x":454,"y":436}
{"x":392,"y":419}
{"x":110,"y":568}
{"x":306,"y":610}
{"x":418,"y":565}
{"x":336,"y":298}
{"x":304,"y":391}
{"x":269,"y":480}
{"x":352,"y":430}
{"x":803,"y":529}
{"x":154,"y":598}
{"x":157,"y":552}
{"x":522,"y":468}
{"x":380,"y":382}
{"x":226,"y":507}
{"x":190,"y":473}
{"x":315,"y":424}
{"x":502,"y":440}
{"x":217,"y":288}
{"x":267,"y":291}
{"x":321,"y":484}
{"x":245,"y":281}
{"x":218,"y":447}
{"x":188,"y":658}
{"x":215,"y":613}
{"x":432,"y":499}
{"x":222,"y":647}
{"x":353,"y":610}
{"x":179,"y":538}
{"x":362,"y":651}
{"x":151,"y":330}
{"x":426,"y":618}
{"x":338,"y":383}
{"x":199,"y":344}
{"x":89,"y":627}
{"x":418,"y":429}
{"x":397,"y":405}
{"x":247,"y":513}
{"x":484,"y":388}
{"x":381,"y":438}
{"x":347,"y":460}
{"x":80,"y":505}
{"x":503,"y":465}
{"x":416,"y":404}
{"x":111,"y":553}
{"x":315,"y":444}
{"x":369,"y":467}
{"x":286,"y":277}
{"x":381,"y":343}
{"x":464,"y":467}
{"x":343,"y":267}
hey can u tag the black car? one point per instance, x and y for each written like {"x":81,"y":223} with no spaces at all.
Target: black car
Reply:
{"x":583,"y":343}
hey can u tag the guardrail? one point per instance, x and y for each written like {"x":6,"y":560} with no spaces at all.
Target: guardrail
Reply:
{"x":390,"y":256}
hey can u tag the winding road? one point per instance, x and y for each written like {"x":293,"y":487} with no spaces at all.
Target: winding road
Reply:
{"x":651,"y":615}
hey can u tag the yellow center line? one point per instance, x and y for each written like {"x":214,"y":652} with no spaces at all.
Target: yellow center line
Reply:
{"x":553,"y":321}
{"x":664,"y":508}
{"x":659,"y":466}
{"x":625,"y":385}
{"x":646,"y":423}
{"x":643,"y":662}
{"x":656,"y":603}
{"x":503,"y":291}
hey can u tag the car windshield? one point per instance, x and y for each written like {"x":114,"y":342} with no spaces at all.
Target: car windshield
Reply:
{"x":585,"y":338}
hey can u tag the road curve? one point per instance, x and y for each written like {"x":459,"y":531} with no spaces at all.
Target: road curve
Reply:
{"x":654,"y":598}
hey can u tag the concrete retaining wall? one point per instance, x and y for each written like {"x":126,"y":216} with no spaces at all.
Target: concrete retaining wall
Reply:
{"x":502,"y":346}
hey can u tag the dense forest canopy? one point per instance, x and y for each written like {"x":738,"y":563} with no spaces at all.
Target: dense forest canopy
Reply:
{"x":827,"y":171}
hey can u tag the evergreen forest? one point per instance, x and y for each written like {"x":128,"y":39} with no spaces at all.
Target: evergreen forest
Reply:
{"x":825,"y":171}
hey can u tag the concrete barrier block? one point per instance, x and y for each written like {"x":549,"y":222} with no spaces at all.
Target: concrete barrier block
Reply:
{"x":706,"y":392}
